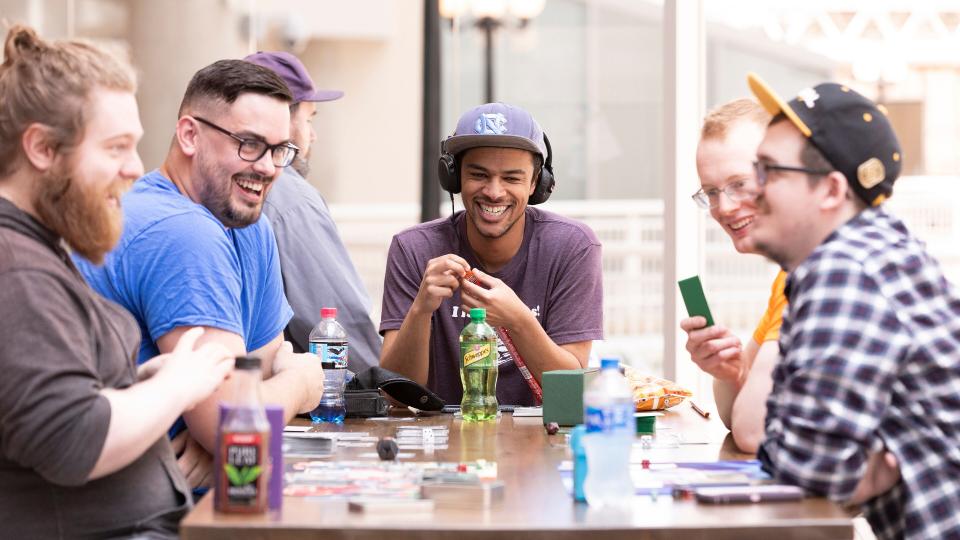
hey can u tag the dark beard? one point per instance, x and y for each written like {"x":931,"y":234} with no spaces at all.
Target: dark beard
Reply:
{"x":219,"y":203}
{"x":214,"y":194}
{"x":301,"y":165}
{"x":79,"y":214}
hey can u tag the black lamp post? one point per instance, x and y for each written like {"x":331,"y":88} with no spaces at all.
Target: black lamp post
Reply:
{"x":488,"y":25}
{"x":490,"y":15}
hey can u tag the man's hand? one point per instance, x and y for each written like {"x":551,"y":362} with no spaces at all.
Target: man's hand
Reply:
{"x":881,"y":475}
{"x":151,"y":367}
{"x":308,"y":369}
{"x":198,"y":371}
{"x":194,"y":461}
{"x":714,"y":349}
{"x":440,"y":279}
{"x":504,"y":307}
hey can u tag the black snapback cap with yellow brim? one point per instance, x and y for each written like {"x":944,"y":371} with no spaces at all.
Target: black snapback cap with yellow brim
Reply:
{"x":851,"y":131}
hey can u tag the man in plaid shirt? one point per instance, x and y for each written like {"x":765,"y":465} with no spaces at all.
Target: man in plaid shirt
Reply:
{"x":865,"y":406}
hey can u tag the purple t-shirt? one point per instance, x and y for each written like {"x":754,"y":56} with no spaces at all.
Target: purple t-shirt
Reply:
{"x":556,"y":273}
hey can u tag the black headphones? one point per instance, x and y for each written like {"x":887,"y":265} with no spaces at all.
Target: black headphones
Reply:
{"x":448,"y":171}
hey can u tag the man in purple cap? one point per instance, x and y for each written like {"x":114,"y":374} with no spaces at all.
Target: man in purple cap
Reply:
{"x":539,"y":273}
{"x":316,"y":267}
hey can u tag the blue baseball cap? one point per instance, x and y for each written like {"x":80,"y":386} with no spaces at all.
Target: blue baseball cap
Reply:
{"x":497,"y":124}
{"x":294,"y":73}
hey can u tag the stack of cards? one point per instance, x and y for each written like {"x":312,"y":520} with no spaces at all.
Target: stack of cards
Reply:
{"x":427,"y":439}
{"x":307,"y":445}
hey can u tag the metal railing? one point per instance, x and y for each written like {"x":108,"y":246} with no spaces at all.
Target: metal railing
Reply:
{"x":736,"y":285}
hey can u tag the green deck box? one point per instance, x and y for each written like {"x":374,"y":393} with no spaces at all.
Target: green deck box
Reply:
{"x":563,"y":395}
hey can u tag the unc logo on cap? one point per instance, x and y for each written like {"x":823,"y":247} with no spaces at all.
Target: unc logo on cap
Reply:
{"x":490,"y":124}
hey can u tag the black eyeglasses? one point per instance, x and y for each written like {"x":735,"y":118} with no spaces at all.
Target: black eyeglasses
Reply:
{"x":253,"y":149}
{"x":762,"y":168}
{"x":737,"y":191}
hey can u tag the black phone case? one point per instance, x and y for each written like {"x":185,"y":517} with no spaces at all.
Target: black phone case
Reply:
{"x":748,"y":494}
{"x":364,"y":403}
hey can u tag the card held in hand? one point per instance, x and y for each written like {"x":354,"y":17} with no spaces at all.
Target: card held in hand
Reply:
{"x":694,"y":299}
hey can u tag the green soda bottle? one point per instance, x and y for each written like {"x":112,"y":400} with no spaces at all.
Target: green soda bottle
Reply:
{"x":478,"y":368}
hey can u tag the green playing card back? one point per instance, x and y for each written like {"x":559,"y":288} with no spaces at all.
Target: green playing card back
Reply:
{"x":694,"y":299}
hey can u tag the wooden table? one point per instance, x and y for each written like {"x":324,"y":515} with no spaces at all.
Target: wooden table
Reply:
{"x":536,"y":505}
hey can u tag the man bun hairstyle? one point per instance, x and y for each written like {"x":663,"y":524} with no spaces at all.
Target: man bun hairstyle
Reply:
{"x":49,"y":83}
{"x":223,"y":81}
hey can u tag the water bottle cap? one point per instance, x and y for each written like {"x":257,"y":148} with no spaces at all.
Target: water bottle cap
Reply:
{"x":328,"y":313}
{"x":609,"y":363}
{"x":478,"y":313}
{"x":246,"y":362}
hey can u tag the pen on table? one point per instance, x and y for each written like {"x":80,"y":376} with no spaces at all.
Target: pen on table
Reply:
{"x":700,"y":411}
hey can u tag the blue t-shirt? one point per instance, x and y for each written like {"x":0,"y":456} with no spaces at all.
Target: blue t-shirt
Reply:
{"x":177,"y":265}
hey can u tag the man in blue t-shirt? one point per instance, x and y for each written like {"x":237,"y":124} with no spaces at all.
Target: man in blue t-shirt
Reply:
{"x":194,"y":251}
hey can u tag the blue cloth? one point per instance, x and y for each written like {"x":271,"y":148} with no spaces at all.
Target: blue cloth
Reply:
{"x":869,"y":348}
{"x":177,"y":265}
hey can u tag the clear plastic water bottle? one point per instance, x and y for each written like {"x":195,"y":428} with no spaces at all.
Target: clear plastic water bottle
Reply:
{"x":328,"y":340}
{"x":608,"y":415}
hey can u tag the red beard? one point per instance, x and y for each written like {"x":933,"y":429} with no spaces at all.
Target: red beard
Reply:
{"x":79,"y":213}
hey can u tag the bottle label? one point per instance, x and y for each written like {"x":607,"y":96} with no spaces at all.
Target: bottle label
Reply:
{"x":609,"y":419}
{"x":478,"y":355}
{"x":243,"y":466}
{"x":333,"y":355}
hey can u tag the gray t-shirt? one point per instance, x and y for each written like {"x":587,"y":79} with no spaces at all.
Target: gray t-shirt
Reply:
{"x":556,"y":273}
{"x":61,"y":344}
{"x":317,"y":271}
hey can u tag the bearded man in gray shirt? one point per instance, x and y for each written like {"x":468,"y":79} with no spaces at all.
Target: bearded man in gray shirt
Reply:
{"x":83,"y":446}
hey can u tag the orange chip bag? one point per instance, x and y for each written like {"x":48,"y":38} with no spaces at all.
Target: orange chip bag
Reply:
{"x":654,"y":393}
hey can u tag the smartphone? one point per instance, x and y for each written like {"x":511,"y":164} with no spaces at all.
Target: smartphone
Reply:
{"x":748,"y":494}
{"x":694,"y":299}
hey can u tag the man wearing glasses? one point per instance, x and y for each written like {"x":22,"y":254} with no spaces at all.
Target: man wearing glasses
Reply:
{"x":194,"y":251}
{"x":864,"y":407}
{"x":741,"y":373}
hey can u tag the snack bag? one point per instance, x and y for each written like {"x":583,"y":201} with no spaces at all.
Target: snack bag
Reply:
{"x":654,"y":393}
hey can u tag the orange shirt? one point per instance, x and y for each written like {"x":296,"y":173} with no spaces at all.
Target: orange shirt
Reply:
{"x":769,"y":327}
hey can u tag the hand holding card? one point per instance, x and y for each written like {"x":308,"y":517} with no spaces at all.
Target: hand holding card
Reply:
{"x":694,"y":299}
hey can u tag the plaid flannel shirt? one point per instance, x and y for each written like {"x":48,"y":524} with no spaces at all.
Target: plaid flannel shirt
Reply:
{"x":870,"y":359}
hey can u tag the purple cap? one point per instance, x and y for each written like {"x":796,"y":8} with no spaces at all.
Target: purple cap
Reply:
{"x":497,"y":124}
{"x":292,"y":71}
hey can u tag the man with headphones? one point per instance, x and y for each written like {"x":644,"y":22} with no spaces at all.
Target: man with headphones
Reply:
{"x":539,"y":273}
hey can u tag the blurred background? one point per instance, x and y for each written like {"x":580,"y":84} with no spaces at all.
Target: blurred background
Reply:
{"x":620,"y":86}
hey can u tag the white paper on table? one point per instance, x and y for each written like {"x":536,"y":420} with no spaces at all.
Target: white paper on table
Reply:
{"x":527,"y":411}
